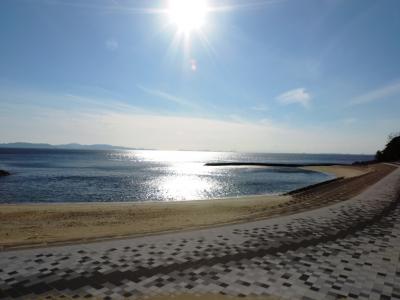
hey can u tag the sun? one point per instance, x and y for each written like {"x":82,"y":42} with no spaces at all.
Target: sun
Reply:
{"x":187,"y":15}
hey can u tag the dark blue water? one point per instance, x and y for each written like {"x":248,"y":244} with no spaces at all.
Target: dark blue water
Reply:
{"x":40,"y":175}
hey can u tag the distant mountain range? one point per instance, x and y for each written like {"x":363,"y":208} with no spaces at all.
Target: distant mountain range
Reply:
{"x":74,"y":146}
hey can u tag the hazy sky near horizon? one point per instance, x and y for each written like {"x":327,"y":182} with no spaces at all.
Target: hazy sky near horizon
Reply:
{"x":318,"y":76}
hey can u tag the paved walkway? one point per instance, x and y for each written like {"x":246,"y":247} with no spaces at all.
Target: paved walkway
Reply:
{"x":350,"y":249}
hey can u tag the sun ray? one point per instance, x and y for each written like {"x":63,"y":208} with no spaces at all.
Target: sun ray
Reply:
{"x":191,"y":20}
{"x":243,"y":5}
{"x":207,"y":44}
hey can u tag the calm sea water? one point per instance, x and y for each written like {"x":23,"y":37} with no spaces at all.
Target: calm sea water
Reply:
{"x":81,"y":175}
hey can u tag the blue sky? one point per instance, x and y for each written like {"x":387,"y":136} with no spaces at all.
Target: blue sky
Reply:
{"x":270,"y":76}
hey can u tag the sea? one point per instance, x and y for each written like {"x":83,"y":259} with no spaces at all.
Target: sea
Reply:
{"x":56,"y":175}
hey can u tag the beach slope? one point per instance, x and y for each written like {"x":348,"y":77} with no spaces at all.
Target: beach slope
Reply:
{"x":41,"y":224}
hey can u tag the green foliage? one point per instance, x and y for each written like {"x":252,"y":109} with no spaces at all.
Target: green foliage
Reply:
{"x":391,"y":151}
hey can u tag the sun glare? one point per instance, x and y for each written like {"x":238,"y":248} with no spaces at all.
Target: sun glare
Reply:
{"x":188,"y":15}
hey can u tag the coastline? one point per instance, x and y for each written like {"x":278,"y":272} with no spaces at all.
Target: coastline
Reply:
{"x":345,"y":171}
{"x":40,"y":224}
{"x":337,"y":170}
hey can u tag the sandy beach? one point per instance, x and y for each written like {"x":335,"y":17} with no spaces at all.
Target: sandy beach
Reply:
{"x":341,"y":171}
{"x":41,"y":224}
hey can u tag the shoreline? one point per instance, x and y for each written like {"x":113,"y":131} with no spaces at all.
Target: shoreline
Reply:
{"x":36,"y":224}
{"x":336,"y":170}
{"x":260,"y":164}
{"x":345,"y":171}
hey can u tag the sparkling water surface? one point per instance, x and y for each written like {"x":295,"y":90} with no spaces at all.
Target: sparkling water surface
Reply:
{"x":43,"y":175}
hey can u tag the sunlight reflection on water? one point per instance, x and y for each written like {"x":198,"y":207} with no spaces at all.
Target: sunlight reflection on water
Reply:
{"x":44,"y":175}
{"x":185,"y":187}
{"x":183,"y":175}
{"x":176,"y":156}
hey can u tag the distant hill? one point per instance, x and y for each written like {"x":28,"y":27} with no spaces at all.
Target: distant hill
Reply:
{"x":71,"y":146}
{"x":26,"y":145}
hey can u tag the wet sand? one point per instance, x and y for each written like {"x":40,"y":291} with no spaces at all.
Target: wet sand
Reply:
{"x":40,"y":224}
